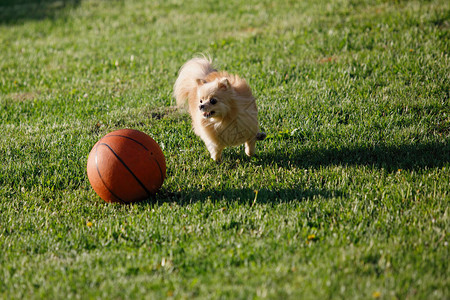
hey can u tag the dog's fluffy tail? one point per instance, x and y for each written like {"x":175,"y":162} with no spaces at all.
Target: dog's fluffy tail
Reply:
{"x":196,"y":68}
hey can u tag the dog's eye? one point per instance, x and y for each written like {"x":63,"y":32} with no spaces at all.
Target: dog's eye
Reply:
{"x":213,"y":100}
{"x":201,"y":101}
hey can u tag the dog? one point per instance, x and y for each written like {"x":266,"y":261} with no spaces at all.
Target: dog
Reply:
{"x":221,"y":105}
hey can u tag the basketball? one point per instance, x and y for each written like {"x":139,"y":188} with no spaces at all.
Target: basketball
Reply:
{"x":126,"y":166}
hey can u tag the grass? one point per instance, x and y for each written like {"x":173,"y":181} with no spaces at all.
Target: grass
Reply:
{"x":348,"y":197}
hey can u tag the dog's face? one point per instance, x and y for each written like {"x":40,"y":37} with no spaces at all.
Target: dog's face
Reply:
{"x":214,"y":98}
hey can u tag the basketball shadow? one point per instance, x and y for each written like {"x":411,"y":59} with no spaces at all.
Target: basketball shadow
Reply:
{"x":245,"y":196}
{"x":17,"y":11}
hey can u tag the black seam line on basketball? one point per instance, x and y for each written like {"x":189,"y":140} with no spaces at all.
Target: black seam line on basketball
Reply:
{"x":129,"y":170}
{"x":127,"y":137}
{"x":160,"y":170}
{"x":100,"y":175}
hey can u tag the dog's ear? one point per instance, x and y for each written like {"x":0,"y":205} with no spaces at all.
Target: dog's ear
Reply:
{"x":201,"y":82}
{"x":223,"y":84}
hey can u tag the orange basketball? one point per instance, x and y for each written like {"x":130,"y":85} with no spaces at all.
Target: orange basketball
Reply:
{"x":126,"y":166}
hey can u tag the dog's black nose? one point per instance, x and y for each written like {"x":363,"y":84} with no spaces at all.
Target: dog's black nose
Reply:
{"x":202,"y":107}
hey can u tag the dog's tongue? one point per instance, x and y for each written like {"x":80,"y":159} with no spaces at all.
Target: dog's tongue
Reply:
{"x":208,"y":114}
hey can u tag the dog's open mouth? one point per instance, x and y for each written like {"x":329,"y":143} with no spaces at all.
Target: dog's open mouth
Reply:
{"x":208,"y":114}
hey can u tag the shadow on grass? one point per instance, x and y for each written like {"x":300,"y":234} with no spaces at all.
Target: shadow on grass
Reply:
{"x":405,"y":157}
{"x":245,"y":196}
{"x":17,"y":11}
{"x":390,"y":158}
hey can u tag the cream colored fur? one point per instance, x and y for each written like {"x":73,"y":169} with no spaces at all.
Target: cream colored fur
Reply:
{"x":221,"y":105}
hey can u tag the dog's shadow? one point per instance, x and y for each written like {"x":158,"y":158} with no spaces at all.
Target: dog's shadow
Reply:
{"x":390,"y":158}
{"x":406,"y":157}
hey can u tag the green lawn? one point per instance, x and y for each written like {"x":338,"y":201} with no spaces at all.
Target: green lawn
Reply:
{"x":348,"y":197}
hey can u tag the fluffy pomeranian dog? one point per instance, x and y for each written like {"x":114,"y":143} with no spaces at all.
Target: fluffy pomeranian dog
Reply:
{"x":221,"y":105}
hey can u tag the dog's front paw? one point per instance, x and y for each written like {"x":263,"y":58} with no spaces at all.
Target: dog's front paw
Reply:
{"x":217,"y":157}
{"x":216,"y":153}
